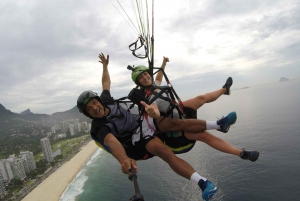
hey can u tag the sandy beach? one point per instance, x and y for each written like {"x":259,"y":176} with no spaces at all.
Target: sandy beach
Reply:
{"x":53,"y":187}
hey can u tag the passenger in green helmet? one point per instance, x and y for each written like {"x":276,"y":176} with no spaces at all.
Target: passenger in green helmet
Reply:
{"x":138,"y":70}
{"x":143,"y":79}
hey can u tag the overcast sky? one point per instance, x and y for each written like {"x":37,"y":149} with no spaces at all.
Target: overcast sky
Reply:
{"x":49,"y":49}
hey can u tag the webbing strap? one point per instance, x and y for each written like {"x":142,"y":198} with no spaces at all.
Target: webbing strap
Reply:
{"x":172,"y":101}
{"x":139,"y":121}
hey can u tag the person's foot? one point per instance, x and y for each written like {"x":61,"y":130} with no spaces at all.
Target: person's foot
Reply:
{"x":249,"y":155}
{"x":208,"y":189}
{"x":227,"y":85}
{"x":226,"y":122}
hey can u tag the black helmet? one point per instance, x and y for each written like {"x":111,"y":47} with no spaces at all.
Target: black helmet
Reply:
{"x":84,"y":98}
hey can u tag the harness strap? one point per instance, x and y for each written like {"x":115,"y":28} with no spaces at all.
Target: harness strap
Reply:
{"x":139,"y":121}
{"x":173,"y":103}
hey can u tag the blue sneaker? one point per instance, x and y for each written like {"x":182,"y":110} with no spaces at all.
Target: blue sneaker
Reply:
{"x":227,"y":85}
{"x":208,"y":189}
{"x":226,"y":122}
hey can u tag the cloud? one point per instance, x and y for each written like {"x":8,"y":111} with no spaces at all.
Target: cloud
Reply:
{"x":49,"y":49}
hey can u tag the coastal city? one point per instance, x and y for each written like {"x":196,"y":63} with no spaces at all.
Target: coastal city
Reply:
{"x":20,"y":174}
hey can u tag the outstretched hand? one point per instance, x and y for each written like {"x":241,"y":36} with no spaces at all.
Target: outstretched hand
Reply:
{"x":103,"y":60}
{"x":165,"y":60}
{"x":150,"y":110}
{"x":129,"y":164}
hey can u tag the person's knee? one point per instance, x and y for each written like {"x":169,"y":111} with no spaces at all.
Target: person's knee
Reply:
{"x":163,"y":151}
{"x":201,"y":98}
{"x":206,"y":138}
{"x":160,"y":150}
{"x":203,"y":137}
{"x":178,"y":123}
{"x":166,"y":154}
{"x":170,"y":124}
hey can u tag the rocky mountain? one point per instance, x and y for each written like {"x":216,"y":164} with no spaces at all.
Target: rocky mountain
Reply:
{"x":41,"y":119}
{"x":4,"y":112}
{"x":69,"y":114}
{"x":26,"y":112}
{"x":283,"y":79}
{"x":8,"y":117}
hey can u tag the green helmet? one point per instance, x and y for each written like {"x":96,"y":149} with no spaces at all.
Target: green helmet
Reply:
{"x":137,"y":72}
{"x":84,"y":98}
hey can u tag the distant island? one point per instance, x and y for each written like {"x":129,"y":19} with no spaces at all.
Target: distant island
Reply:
{"x":283,"y":79}
{"x":240,"y":88}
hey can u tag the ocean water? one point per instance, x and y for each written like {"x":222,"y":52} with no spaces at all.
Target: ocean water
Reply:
{"x":268,"y":121}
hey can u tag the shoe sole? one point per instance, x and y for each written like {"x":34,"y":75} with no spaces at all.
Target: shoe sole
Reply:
{"x":229,"y":87}
{"x":255,"y":157}
{"x":212,"y":193}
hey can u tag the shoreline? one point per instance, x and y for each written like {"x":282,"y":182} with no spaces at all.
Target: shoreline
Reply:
{"x":53,"y":186}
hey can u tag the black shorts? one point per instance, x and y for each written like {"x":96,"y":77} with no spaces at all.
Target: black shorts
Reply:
{"x":190,"y":113}
{"x":139,"y":151}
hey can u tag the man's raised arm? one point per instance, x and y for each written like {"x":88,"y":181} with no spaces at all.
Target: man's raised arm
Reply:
{"x":105,"y":73}
{"x":159,"y":75}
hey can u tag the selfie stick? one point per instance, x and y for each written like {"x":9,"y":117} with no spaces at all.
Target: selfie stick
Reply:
{"x":138,"y":196}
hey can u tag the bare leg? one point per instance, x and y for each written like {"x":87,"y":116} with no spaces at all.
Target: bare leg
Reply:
{"x":214,"y":142}
{"x":181,"y":167}
{"x":188,"y":125}
{"x":198,"y":101}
